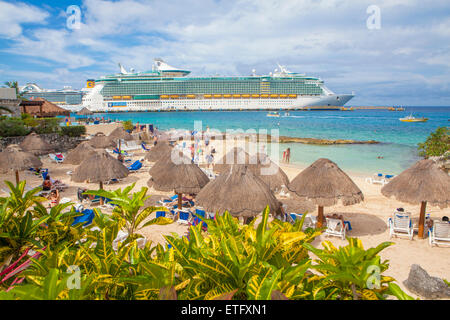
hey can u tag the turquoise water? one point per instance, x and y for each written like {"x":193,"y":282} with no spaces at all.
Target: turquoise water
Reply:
{"x":398,"y":145}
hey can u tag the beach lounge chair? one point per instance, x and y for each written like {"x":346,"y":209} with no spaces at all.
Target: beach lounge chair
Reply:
{"x":401,"y":225}
{"x":377,"y":179}
{"x":439,"y":234}
{"x":56,"y":159}
{"x":145,"y":147}
{"x":92,"y":202}
{"x":135,"y":166}
{"x":184,"y":217}
{"x":87,"y":218}
{"x":131,"y":145}
{"x":160,"y":214}
{"x":336,"y":228}
{"x":310,"y":221}
{"x":122,"y":236}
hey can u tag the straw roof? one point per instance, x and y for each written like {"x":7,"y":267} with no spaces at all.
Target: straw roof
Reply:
{"x":85,"y":112}
{"x":325,"y":184}
{"x":160,"y":151}
{"x":35,"y":144}
{"x":13,"y":158}
{"x":100,"y":167}
{"x":424,"y":181}
{"x":41,"y":107}
{"x":82,"y":152}
{"x":236,"y":155}
{"x":120,"y":133}
{"x":297,"y":205}
{"x":269,"y":171}
{"x":183,"y":177}
{"x":100,"y":141}
{"x":239,"y":191}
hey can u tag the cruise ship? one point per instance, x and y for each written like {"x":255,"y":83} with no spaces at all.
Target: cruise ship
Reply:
{"x":67,"y":97}
{"x":166,"y":88}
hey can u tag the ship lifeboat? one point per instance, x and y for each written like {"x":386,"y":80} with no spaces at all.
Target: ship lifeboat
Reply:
{"x":117,"y":98}
{"x":217,"y":96}
{"x":283,"y":95}
{"x":190,"y":96}
{"x":236,"y":95}
{"x":245,"y":96}
{"x":164,"y":97}
{"x":227,"y":95}
{"x":174,"y":96}
{"x":126,"y":97}
{"x":264,"y":96}
{"x":274,"y":96}
{"x":207,"y":96}
{"x":292,"y":96}
{"x":255,"y":95}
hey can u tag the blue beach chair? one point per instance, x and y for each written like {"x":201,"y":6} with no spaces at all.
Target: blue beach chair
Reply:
{"x":87,"y":218}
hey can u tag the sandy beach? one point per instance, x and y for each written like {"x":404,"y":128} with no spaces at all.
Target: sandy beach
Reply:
{"x":368,"y":219}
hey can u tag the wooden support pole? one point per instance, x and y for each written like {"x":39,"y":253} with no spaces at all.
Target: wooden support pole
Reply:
{"x":423,"y":208}
{"x":180,"y":201}
{"x":101,"y":198}
{"x":320,"y":219}
{"x":17,"y":177}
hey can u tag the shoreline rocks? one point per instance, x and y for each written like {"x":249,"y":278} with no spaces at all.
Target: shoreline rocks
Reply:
{"x":424,"y":285}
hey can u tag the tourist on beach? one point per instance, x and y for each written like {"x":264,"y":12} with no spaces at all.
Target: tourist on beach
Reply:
{"x":284,"y":156}
{"x":445,"y":219}
{"x":155,"y":140}
{"x":288,"y":155}
{"x":209,"y":159}
{"x":120,"y":157}
{"x":47,"y":184}
{"x":54,"y":198}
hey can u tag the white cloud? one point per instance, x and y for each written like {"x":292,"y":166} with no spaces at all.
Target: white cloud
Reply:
{"x":327,"y":38}
{"x":13,"y":15}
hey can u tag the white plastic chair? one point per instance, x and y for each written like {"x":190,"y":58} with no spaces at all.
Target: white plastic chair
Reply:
{"x":376,"y":179}
{"x":439,"y":233}
{"x":401,"y":225}
{"x":336,"y":228}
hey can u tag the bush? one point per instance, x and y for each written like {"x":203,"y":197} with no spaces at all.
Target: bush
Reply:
{"x":13,"y":128}
{"x":128,"y":125}
{"x":73,"y":131}
{"x":437,"y":144}
{"x":47,"y":125}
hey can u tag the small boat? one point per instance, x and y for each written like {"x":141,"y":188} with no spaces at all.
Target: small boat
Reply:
{"x":410,"y":118}
{"x":287,"y":114}
{"x":273,"y":114}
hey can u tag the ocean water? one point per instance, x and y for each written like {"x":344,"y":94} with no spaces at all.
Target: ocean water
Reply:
{"x":398,"y":140}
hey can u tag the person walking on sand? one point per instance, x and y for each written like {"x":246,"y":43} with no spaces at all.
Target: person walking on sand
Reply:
{"x":288,"y":155}
{"x":284,"y":156}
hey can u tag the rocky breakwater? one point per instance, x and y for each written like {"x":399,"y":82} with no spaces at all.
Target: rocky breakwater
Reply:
{"x":316,"y":141}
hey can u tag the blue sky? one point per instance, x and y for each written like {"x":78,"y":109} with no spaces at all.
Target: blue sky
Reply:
{"x":405,"y":62}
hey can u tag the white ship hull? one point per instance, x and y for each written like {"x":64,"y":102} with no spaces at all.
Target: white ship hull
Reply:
{"x":95,"y":103}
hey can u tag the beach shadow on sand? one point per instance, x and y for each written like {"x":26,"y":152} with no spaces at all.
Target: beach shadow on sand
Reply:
{"x":364,"y":224}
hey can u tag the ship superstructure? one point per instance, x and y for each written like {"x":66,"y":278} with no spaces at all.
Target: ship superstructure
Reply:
{"x":169,"y":88}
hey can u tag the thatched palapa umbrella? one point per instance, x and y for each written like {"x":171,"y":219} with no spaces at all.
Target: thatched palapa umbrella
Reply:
{"x":160,"y":151}
{"x":121,"y":133}
{"x":82,"y":152}
{"x":13,"y":158}
{"x":239,"y":191}
{"x":85,"y":112}
{"x":423,"y":182}
{"x":181,"y":176}
{"x":235,"y":156}
{"x":324,"y":183}
{"x":99,"y":168}
{"x":268,"y":171}
{"x":35,"y":144}
{"x":100,"y":141}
